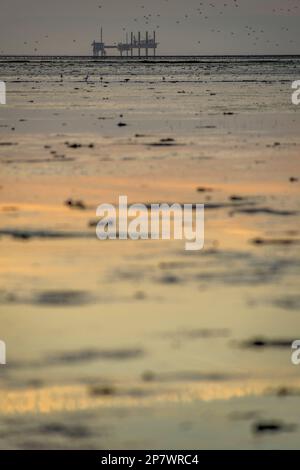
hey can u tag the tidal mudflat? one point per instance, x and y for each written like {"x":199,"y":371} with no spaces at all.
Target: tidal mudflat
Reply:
{"x":141,"y":344}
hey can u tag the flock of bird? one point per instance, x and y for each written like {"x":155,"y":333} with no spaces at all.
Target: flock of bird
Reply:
{"x":208,"y":13}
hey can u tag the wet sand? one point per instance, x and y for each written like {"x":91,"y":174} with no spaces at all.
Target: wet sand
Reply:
{"x":140,"y":344}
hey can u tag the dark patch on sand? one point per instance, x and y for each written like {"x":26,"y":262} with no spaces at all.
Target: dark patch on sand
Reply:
{"x":262,"y":343}
{"x":8,"y":144}
{"x":102,"y":390}
{"x":263,"y":210}
{"x":75,"y":204}
{"x":275,"y":241}
{"x":71,"y":431}
{"x":189,"y":376}
{"x":72,"y":358}
{"x":169,"y":279}
{"x":63,"y":298}
{"x":165,"y":142}
{"x":52,"y":234}
{"x":288,"y":302}
{"x":284,"y":391}
{"x":86,"y":355}
{"x":208,"y":206}
{"x":51,"y":298}
{"x":203,"y":189}
{"x":57,"y":158}
{"x":264,"y":427}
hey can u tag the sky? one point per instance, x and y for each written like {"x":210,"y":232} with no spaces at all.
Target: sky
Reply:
{"x":67,"y":27}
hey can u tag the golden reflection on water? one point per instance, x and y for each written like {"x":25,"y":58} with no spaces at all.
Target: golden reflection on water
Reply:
{"x":76,"y":397}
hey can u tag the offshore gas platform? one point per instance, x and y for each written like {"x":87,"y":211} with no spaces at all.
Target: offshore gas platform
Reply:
{"x":136,"y":43}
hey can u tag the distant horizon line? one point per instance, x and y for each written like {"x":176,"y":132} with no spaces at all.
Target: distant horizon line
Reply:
{"x":124,"y":58}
